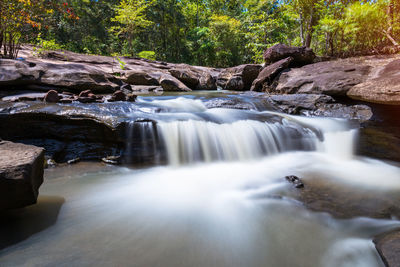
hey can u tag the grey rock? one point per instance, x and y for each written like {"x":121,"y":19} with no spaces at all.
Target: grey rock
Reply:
{"x":332,"y":78}
{"x":383,"y":89}
{"x":21,"y":174}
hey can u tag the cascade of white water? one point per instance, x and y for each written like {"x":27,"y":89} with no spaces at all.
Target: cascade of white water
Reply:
{"x":192,"y":141}
{"x":186,"y":131}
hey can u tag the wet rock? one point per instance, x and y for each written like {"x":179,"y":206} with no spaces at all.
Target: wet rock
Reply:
{"x":21,"y":174}
{"x":50,"y":163}
{"x":295,"y":181}
{"x":344,"y":201}
{"x":114,"y":160}
{"x":318,"y":105}
{"x":238,"y":78}
{"x":131,"y":97}
{"x":334,"y":78}
{"x":83,"y":99}
{"x":380,"y":136}
{"x":73,"y":161}
{"x":24,"y":97}
{"x":118,"y":96}
{"x":86,"y":93}
{"x":301,"y":55}
{"x":228,"y":103}
{"x":269,"y":73}
{"x":384,"y":87}
{"x":51,"y":97}
{"x":66,"y":100}
{"x":388,"y":246}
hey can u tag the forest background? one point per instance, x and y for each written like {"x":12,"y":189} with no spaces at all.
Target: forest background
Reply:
{"x":200,"y":32}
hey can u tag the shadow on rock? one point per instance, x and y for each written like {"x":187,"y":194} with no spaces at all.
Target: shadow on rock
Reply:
{"x":18,"y":225}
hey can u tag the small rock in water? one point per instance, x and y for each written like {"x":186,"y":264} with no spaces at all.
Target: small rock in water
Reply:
{"x":85,"y":93}
{"x":131,"y":97}
{"x":84,"y":99}
{"x":115,"y":160}
{"x":66,"y":100}
{"x":50,"y":163}
{"x":118,"y":96}
{"x":52,"y":97}
{"x":295,"y":181}
{"x":73,"y":161}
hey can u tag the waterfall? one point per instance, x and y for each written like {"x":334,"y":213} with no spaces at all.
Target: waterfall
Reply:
{"x":201,"y":141}
{"x":184,"y":131}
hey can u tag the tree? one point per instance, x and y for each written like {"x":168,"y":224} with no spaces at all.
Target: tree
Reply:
{"x":131,"y":17}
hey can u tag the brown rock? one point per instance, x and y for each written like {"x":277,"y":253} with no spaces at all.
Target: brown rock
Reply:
{"x":51,"y":97}
{"x":269,"y":73}
{"x":85,"y":93}
{"x":170,"y":83}
{"x":238,"y":78}
{"x":388,"y":246}
{"x":195,"y":78}
{"x":332,"y":78}
{"x":118,"y":96}
{"x":301,"y":55}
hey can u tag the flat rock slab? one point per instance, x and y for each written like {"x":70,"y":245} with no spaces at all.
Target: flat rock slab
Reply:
{"x":21,"y":174}
{"x":388,"y":246}
{"x":332,"y":78}
{"x":382,"y":87}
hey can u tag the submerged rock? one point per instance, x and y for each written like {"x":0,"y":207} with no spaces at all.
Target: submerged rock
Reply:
{"x":295,"y":181}
{"x":21,"y":174}
{"x":388,"y":246}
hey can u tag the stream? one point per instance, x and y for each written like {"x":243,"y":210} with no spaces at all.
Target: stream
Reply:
{"x":217,"y":195}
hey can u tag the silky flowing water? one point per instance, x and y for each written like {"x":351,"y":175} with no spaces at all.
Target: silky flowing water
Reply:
{"x":219,"y":199}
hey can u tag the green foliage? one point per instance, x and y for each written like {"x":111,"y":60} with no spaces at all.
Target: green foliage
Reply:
{"x":131,"y":19}
{"x":202,"y":32}
{"x":148,"y":55}
{"x":45,"y":45}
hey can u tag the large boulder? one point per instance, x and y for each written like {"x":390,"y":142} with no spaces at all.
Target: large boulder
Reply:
{"x":170,"y":83}
{"x":334,"y":78}
{"x":142,"y":76}
{"x":384,"y":88}
{"x":66,"y":76}
{"x":301,"y":55}
{"x":194,"y":78}
{"x":21,"y":174}
{"x":238,"y":78}
{"x":269,"y":73}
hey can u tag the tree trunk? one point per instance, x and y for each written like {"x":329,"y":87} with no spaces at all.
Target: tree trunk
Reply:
{"x":310,"y":29}
{"x":301,"y":29}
